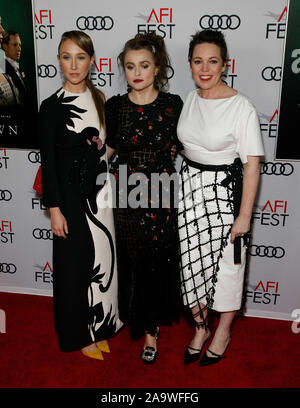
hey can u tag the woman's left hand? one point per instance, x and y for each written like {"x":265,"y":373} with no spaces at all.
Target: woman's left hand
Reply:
{"x":97,"y":140}
{"x":240,"y":227}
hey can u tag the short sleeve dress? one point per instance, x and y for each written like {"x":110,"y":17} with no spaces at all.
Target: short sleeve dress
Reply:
{"x":147,"y":236}
{"x":84,"y":264}
{"x":218,"y":135}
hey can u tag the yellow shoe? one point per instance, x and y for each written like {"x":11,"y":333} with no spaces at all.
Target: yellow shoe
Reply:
{"x":93,"y":354}
{"x":103,"y":346}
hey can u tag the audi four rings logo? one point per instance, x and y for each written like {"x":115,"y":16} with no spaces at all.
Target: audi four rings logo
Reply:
{"x":47,"y":71}
{"x":42,"y":233}
{"x":171,"y":70}
{"x":95,"y":23}
{"x":223,"y":22}
{"x":34,"y":157}
{"x":271,"y":73}
{"x":276,"y":169}
{"x":5,"y":195}
{"x":266,"y":251}
{"x":8,"y":268}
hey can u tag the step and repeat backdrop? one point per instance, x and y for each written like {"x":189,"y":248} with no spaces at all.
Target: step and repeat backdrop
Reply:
{"x":255,"y":32}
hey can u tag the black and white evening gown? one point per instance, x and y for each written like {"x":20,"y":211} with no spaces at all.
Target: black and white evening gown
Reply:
{"x":84,"y":265}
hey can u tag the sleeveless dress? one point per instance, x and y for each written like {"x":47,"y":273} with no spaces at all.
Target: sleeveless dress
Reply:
{"x":147,"y":238}
{"x":84,"y":264}
{"x":217,"y":135}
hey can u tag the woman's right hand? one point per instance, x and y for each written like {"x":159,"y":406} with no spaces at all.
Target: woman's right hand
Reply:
{"x":59,"y":224}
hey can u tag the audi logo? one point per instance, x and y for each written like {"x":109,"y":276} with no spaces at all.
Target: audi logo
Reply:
{"x":271,"y":73}
{"x":223,"y":22}
{"x":171,"y":70}
{"x":34,"y":157}
{"x":8,"y":268}
{"x":95,"y":23}
{"x":266,"y":251}
{"x":42,"y":233}
{"x":5,"y":195}
{"x":47,"y":71}
{"x":276,"y":169}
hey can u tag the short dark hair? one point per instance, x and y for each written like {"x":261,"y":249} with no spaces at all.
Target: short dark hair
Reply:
{"x":209,"y":36}
{"x":7,"y":34}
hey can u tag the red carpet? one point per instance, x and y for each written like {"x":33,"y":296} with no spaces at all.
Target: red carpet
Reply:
{"x":263,"y":354}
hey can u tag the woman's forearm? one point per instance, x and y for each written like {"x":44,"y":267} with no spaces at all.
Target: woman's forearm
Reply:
{"x":250,"y":185}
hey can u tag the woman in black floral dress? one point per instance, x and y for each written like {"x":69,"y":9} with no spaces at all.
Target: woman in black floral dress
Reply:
{"x":141,"y":130}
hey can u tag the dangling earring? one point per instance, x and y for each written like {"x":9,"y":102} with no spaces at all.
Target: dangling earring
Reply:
{"x":128,"y":88}
{"x":156,"y":83}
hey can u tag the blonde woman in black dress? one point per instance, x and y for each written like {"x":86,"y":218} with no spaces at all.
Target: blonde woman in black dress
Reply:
{"x":73,"y":153}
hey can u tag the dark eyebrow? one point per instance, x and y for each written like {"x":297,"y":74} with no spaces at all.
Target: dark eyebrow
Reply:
{"x":141,"y":62}
{"x":80,"y":53}
{"x":209,"y":57}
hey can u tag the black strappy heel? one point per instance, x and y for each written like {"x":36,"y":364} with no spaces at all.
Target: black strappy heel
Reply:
{"x":206,"y":360}
{"x":193,"y":357}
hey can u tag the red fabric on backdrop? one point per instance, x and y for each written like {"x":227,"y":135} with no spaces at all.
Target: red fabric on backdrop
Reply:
{"x":37,"y":185}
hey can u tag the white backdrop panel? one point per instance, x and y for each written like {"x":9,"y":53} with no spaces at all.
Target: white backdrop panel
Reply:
{"x":255,"y":34}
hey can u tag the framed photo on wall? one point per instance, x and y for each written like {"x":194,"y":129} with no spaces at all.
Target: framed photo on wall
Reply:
{"x":18,"y":79}
{"x":287,"y":143}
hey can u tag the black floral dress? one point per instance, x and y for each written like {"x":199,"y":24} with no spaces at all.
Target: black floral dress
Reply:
{"x":147,"y":237}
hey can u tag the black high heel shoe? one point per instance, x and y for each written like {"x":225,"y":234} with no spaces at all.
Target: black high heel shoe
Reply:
{"x":193,"y":357}
{"x":206,"y":360}
{"x":149,"y":354}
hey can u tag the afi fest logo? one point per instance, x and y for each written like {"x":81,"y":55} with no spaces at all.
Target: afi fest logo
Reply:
{"x":230,"y":73}
{"x":3,"y":159}
{"x":278,"y":28}
{"x":159,"y":21}
{"x":43,"y":26}
{"x":264,"y":292}
{"x":103,"y":75}
{"x":273,"y":213}
{"x":43,"y":274}
{"x":268,"y":124}
{"x":36,"y":204}
{"x":6,"y":232}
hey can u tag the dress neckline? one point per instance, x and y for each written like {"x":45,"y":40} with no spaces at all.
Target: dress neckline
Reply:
{"x":75,"y":93}
{"x":216,"y":99}
{"x":146,"y":104}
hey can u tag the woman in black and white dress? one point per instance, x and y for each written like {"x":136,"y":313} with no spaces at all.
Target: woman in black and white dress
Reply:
{"x":73,"y":154}
{"x":220,"y":132}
